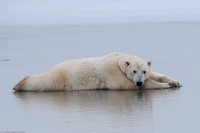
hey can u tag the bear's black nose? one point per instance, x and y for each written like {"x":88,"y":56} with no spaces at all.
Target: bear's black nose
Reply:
{"x":139,"y":83}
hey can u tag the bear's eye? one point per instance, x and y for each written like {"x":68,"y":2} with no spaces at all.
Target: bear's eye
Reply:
{"x":134,"y":71}
{"x":144,"y":72}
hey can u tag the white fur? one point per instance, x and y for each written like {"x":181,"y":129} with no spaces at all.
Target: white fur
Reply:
{"x":111,"y":71}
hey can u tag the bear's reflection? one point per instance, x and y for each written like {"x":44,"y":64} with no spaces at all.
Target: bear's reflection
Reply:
{"x":140,"y":101}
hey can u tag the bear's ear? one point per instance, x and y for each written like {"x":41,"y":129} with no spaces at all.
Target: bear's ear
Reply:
{"x":127,"y":63}
{"x":123,"y":64}
{"x":149,"y":63}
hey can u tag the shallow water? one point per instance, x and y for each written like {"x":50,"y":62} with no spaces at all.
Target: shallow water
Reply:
{"x":172,"y":47}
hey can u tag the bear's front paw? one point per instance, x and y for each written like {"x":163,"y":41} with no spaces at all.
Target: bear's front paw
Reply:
{"x":174,"y":84}
{"x":165,"y":86}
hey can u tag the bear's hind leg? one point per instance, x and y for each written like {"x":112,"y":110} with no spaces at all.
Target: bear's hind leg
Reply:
{"x":20,"y":85}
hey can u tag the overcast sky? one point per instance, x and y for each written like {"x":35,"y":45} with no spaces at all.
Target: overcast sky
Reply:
{"x":96,"y":11}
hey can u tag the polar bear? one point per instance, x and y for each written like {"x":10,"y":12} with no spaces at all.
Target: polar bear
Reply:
{"x":115,"y":71}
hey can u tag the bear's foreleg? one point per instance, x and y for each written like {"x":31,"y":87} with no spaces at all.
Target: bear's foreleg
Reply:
{"x":152,"y":84}
{"x":164,"y":79}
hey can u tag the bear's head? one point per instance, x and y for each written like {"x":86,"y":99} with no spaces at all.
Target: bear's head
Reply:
{"x":135,"y":69}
